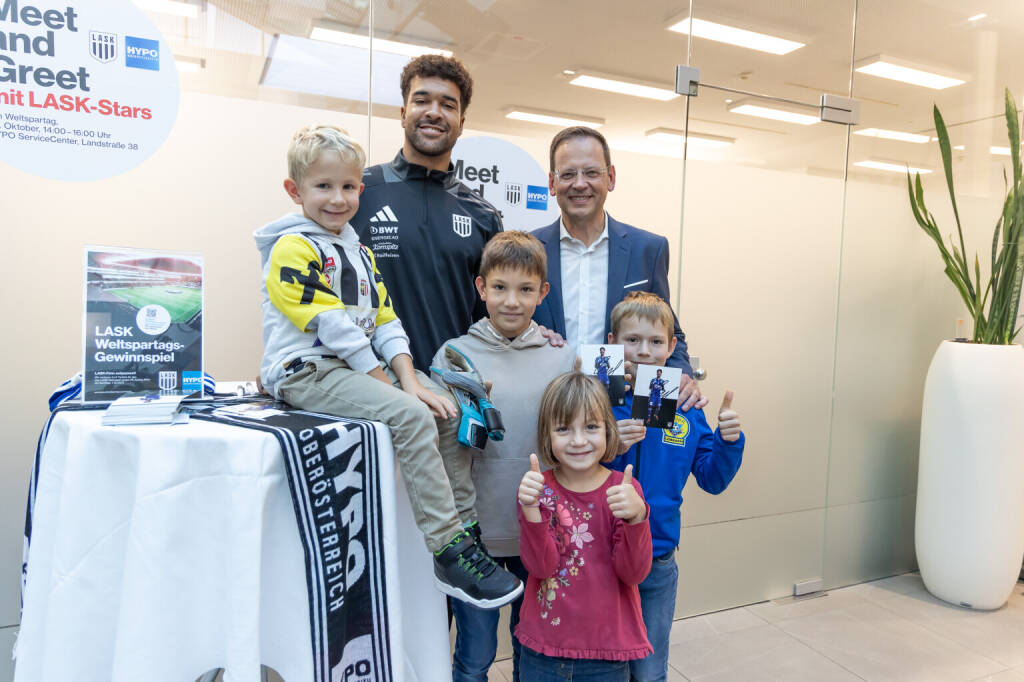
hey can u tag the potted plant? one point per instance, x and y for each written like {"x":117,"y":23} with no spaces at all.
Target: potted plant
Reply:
{"x":969,"y":525}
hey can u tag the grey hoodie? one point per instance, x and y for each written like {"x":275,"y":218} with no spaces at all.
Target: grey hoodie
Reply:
{"x":520,"y":370}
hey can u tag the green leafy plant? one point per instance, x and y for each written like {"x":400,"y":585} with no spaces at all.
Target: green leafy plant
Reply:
{"x":1001,"y":293}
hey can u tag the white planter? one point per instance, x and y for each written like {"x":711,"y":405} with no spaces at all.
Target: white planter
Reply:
{"x":969,"y":528}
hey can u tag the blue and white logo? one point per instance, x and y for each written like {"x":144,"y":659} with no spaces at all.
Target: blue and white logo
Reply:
{"x":191,"y":381}
{"x":141,"y":53}
{"x":537,"y":197}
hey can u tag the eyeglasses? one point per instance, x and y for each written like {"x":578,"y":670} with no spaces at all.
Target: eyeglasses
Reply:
{"x":569,"y":175}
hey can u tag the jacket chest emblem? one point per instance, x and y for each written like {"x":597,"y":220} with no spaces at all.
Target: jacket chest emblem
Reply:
{"x":462,"y":225}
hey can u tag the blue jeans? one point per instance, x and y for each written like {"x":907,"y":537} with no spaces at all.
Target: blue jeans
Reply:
{"x":658,"y":603}
{"x":476,"y":633}
{"x":540,"y":668}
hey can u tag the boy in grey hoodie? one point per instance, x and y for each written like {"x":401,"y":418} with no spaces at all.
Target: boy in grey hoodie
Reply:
{"x":328,"y":321}
{"x":507,"y":347}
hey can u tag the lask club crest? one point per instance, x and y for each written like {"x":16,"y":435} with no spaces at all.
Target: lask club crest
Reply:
{"x":462,"y":224}
{"x":103,"y":46}
{"x":167,"y":381}
{"x":513,"y":193}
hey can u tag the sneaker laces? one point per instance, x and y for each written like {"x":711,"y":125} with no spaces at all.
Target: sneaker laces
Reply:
{"x":478,"y":562}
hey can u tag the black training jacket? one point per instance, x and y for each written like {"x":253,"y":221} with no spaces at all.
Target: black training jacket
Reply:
{"x":427,"y":231}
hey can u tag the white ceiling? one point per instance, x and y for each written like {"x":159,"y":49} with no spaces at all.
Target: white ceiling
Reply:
{"x":517,"y":50}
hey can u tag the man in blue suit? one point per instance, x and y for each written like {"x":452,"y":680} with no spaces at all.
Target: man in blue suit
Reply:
{"x":593,"y":259}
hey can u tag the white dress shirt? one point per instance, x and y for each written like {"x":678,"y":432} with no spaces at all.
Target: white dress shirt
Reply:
{"x":584,"y":286}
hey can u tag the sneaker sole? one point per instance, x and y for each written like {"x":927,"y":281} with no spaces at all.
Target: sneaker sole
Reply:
{"x":453,"y":591}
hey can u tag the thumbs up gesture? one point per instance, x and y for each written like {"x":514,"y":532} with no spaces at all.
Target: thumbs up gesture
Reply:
{"x":728,"y":420}
{"x":624,"y":500}
{"x":531,"y":487}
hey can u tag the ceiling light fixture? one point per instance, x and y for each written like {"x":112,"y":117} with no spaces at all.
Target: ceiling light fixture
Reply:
{"x":344,"y":35}
{"x":552,"y":118}
{"x":617,"y":84}
{"x":178,"y":9}
{"x":189,"y":64}
{"x":753,"y":107}
{"x":899,"y":70}
{"x":722,"y":33}
{"x":893,"y":167}
{"x":958,"y":147}
{"x":977,"y":17}
{"x":693,"y":139}
{"x":893,"y":135}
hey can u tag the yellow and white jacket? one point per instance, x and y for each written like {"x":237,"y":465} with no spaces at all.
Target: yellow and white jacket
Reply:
{"x":322,"y":296}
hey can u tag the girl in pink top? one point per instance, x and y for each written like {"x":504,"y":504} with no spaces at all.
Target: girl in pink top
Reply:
{"x":585,"y":540}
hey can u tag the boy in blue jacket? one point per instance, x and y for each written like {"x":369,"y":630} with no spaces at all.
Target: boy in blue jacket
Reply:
{"x":663,"y":460}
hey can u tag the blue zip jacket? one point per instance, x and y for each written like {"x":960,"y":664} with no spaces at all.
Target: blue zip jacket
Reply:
{"x":664,"y":460}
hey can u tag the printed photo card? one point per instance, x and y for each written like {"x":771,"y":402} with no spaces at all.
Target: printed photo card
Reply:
{"x":655,"y":395}
{"x":605,"y":362}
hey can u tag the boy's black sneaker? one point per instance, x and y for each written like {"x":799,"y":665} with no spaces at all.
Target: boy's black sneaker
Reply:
{"x":474,"y":530}
{"x":464,"y":571}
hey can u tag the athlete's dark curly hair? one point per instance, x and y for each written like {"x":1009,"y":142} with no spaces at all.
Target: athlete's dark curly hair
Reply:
{"x":436,"y":66}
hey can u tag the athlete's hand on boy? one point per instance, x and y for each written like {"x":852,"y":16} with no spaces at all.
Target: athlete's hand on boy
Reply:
{"x":631,"y":431}
{"x":728,"y":420}
{"x":554,"y":338}
{"x":689,"y":394}
{"x":625,"y":501}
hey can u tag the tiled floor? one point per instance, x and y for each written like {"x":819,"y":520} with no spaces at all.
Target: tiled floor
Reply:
{"x":890,"y":629}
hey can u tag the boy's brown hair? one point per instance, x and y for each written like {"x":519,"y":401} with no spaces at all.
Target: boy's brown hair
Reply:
{"x":439,"y":66}
{"x":516,"y":251}
{"x":645,"y":306}
{"x":567,"y":396}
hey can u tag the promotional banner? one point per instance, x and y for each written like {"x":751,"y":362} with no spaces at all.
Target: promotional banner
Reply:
{"x":509,"y":178}
{"x":143,"y":322}
{"x":88,"y":89}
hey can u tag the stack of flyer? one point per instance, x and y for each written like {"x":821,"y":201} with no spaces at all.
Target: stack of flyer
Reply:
{"x":153,"y":407}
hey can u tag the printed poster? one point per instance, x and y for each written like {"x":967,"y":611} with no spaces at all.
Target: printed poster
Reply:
{"x":143,"y":322}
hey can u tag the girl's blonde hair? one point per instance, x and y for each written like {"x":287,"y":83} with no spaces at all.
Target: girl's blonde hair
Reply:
{"x":567,"y":396}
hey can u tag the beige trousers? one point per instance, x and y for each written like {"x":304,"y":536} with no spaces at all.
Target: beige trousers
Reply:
{"x":436,"y":469}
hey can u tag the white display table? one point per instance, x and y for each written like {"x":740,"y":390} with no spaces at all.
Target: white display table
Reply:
{"x":160,"y":552}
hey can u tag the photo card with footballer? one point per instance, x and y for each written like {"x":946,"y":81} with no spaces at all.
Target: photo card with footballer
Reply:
{"x":605,"y":362}
{"x":655,"y":395}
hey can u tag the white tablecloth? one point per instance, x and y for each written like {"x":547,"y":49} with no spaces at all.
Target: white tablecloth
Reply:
{"x":160,"y":552}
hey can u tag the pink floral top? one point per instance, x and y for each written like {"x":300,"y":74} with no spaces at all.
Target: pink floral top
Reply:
{"x":581,"y":599}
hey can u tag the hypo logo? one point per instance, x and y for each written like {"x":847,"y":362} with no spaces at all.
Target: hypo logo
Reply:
{"x":537,"y":197}
{"x":191,"y":381}
{"x":140,"y":53}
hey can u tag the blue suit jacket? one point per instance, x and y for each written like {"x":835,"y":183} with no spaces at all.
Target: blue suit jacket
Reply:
{"x":637,"y":261}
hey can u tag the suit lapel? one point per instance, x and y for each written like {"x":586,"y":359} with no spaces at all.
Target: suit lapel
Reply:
{"x":618,"y":262}
{"x":553,"y":248}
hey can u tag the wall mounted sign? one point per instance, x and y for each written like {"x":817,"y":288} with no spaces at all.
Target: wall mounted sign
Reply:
{"x":509,"y":178}
{"x":88,"y":90}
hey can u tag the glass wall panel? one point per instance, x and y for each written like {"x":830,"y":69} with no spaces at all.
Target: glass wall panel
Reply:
{"x":896,"y":305}
{"x":760,"y":248}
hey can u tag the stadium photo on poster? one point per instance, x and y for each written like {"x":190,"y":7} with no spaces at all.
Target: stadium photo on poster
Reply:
{"x":605,"y":362}
{"x":654,"y":400}
{"x":143,"y":322}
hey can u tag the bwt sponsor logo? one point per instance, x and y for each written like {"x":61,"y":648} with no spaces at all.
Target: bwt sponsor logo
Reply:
{"x":537,"y":197}
{"x":141,"y":53}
